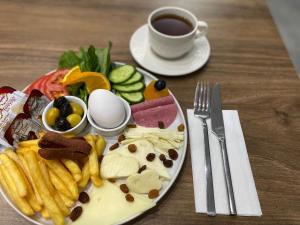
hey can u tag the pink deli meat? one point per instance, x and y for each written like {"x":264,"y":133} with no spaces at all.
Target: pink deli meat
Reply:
{"x":152,"y":103}
{"x":149,"y":113}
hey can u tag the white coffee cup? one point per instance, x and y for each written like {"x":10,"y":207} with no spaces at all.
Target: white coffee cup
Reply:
{"x":171,"y":47}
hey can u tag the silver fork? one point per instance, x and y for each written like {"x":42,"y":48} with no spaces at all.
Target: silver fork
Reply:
{"x":202,"y":111}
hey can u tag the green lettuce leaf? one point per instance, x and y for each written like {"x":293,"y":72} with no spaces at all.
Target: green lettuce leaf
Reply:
{"x":104,"y":58}
{"x":69,"y":59}
{"x":79,"y":90}
{"x":91,"y":59}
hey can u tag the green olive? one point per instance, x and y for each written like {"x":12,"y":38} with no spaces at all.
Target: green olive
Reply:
{"x":76,"y":108}
{"x":52,"y":115}
{"x":73,"y":119}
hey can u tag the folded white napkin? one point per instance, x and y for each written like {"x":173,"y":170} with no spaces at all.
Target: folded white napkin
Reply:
{"x":246,"y":199}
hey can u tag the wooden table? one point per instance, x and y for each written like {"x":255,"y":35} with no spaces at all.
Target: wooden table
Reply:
{"x":248,"y":58}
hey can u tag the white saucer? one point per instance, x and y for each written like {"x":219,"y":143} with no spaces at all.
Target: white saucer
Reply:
{"x":144,"y":56}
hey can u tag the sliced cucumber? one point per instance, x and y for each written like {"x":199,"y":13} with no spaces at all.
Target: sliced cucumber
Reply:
{"x":121,"y":74}
{"x":133,"y":97}
{"x":129,"y":88}
{"x":118,"y":94}
{"x":136,"y":77}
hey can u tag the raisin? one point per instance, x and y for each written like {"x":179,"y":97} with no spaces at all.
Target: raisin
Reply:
{"x":76,"y":213}
{"x":173,"y":154}
{"x":162,"y":157}
{"x":129,"y":198}
{"x":150,"y":157}
{"x":31,"y":135}
{"x":124,"y":188}
{"x":100,"y":158}
{"x":114,"y":146}
{"x":161,"y":125}
{"x":132,"y":148}
{"x":168,"y":163}
{"x":121,"y":138}
{"x":84,"y":197}
{"x":111,"y":180}
{"x":142,"y":168}
{"x":131,"y":126}
{"x":180,"y":127}
{"x":153,"y":193}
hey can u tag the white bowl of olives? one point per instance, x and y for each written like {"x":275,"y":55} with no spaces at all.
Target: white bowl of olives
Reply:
{"x":65,"y":115}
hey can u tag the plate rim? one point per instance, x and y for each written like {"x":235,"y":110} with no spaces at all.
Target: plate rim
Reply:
{"x":171,"y":182}
{"x":168,"y":74}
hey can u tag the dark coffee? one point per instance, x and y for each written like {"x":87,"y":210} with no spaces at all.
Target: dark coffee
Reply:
{"x":171,"y":24}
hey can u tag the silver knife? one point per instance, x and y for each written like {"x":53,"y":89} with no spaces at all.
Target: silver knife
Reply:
{"x":218,"y":127}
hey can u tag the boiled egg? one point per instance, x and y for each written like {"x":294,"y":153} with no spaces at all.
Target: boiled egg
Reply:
{"x":106,"y":109}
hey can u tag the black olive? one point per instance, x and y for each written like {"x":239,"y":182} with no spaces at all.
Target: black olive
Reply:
{"x":59,"y":102}
{"x":62,"y":124}
{"x":66,"y":109}
{"x":160,"y":85}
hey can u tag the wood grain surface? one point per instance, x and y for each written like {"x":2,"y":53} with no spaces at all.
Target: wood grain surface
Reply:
{"x":248,"y":59}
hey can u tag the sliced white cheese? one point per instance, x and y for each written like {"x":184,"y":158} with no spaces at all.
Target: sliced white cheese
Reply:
{"x":118,"y":166}
{"x":166,"y":134}
{"x":108,"y":206}
{"x":144,"y":147}
{"x":162,"y":139}
{"x":144,"y":182}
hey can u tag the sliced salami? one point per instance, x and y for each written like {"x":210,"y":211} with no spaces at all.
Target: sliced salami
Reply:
{"x":152,"y":116}
{"x":152,"y":103}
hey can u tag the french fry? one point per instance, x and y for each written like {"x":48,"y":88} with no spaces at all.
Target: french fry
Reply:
{"x":9,"y":187}
{"x":45,"y":213}
{"x":41,"y":134}
{"x":69,"y":135}
{"x":100,"y":145}
{"x":35,"y":191}
{"x":93,"y":158}
{"x":22,"y":150}
{"x":85,"y":175}
{"x":49,"y":202}
{"x":15,"y":174}
{"x":31,"y":198}
{"x":73,"y":168}
{"x":93,"y":162}
{"x":59,"y":184}
{"x":68,"y":201}
{"x":65,"y":176}
{"x":13,"y":155}
{"x":97,"y":181}
{"x":57,"y":198}
{"x":29,"y":143}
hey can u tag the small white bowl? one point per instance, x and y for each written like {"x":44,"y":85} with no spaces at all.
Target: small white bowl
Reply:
{"x":75,"y":130}
{"x":112,"y":131}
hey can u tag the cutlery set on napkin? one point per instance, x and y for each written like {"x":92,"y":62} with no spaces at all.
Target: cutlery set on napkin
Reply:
{"x":222,"y":176}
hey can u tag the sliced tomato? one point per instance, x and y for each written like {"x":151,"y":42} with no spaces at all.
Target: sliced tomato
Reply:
{"x":33,"y":85}
{"x":52,"y":87}
{"x":42,"y":82}
{"x":42,"y":85}
{"x":49,"y":84}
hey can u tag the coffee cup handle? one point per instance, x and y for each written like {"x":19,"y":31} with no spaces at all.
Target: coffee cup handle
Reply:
{"x":202,"y":29}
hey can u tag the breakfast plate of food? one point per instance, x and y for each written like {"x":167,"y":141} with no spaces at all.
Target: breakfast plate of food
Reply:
{"x":91,"y":142}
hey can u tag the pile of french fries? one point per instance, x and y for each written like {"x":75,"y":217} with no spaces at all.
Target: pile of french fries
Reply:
{"x":48,"y":187}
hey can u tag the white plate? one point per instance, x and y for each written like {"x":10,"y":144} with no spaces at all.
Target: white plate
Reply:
{"x":144,"y":56}
{"x":174,"y":171}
